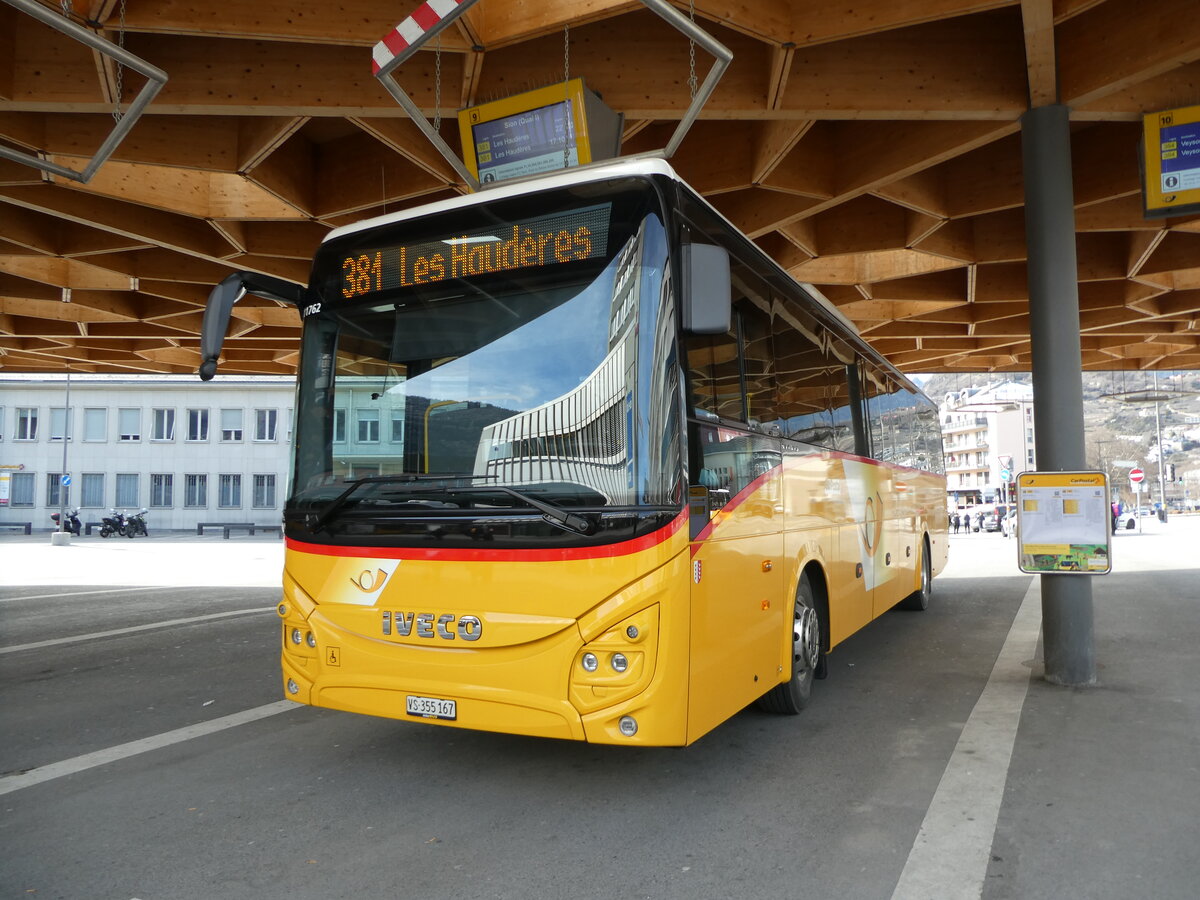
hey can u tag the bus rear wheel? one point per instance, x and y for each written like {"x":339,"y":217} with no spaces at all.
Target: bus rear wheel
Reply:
{"x":794,"y":694}
{"x":919,"y":599}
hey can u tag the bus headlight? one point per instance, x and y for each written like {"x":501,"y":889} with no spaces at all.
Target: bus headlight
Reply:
{"x":590,"y":663}
{"x":628,"y":726}
{"x":297,"y":637}
{"x":310,"y":639}
{"x":619,"y":662}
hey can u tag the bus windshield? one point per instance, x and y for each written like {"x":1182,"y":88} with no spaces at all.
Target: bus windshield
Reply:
{"x":505,"y":345}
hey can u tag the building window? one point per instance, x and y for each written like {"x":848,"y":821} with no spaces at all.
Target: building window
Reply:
{"x":264,"y":491}
{"x":368,"y":425}
{"x":195,"y":491}
{"x":339,"y":426}
{"x":59,"y":424}
{"x":162,"y":490}
{"x":127,"y":490}
{"x":397,"y":426}
{"x":26,"y":423}
{"x":53,"y":486}
{"x":22,"y":489}
{"x":230,"y":492}
{"x":231,"y":424}
{"x":265,"y":422}
{"x":197,"y":424}
{"x":92,"y":490}
{"x":95,"y":424}
{"x":1,"y":423}
{"x":163,"y":427}
{"x":129,"y":424}
{"x":1029,"y":457}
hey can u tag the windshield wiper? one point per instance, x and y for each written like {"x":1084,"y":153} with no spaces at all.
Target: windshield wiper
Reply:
{"x":321,"y":519}
{"x":555,"y":515}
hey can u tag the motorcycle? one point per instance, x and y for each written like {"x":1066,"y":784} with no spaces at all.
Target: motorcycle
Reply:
{"x":136,"y":524}
{"x":73,"y":526}
{"x":113,"y":523}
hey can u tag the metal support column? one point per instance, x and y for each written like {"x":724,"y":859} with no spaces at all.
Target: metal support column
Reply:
{"x":1067,"y":619}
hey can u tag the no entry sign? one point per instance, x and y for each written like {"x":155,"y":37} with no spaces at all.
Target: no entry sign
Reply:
{"x":1136,"y":475}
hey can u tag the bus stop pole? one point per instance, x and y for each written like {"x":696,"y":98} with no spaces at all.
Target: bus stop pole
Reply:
{"x":1067,"y":619}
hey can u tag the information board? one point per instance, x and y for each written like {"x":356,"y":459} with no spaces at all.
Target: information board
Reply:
{"x":543,"y":130}
{"x":1064,"y":523}
{"x":1171,"y":162}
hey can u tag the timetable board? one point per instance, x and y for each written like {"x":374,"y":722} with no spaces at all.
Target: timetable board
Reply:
{"x":1064,"y":523}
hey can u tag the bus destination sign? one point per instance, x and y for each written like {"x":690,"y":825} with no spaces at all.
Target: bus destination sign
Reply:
{"x":545,"y":241}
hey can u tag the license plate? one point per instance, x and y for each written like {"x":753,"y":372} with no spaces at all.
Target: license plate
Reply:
{"x":431,"y":707}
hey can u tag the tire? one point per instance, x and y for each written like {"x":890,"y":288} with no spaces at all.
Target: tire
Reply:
{"x":918,"y":600}
{"x":104,"y":532}
{"x":807,"y":656}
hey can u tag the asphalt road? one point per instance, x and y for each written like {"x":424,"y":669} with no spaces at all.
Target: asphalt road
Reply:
{"x":304,"y":803}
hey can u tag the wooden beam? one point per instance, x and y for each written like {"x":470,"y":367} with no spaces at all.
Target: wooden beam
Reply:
{"x":258,"y":138}
{"x":1117,"y":44}
{"x":403,"y":137}
{"x":781,"y":67}
{"x":357,"y":172}
{"x":154,"y":226}
{"x":969,"y":66}
{"x":1037,"y":20}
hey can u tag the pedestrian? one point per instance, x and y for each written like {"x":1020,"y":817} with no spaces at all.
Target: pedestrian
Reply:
{"x":1116,"y":515}
{"x":954,"y":522}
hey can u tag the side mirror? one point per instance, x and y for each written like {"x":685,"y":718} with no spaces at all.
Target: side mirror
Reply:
{"x":706,"y":289}
{"x":220,"y":306}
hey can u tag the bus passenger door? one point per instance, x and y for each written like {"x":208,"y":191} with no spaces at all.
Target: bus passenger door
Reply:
{"x":737,"y":575}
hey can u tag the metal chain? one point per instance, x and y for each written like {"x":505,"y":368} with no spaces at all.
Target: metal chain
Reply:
{"x":120,"y":68}
{"x":66,"y":8}
{"x":567,"y":94}
{"x":437,"y":86}
{"x":692,"y":84}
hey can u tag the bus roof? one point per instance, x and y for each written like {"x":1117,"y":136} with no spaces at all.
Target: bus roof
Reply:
{"x":636,"y":165}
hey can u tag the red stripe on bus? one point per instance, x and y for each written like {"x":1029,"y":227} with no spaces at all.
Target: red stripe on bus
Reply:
{"x":734,"y":501}
{"x":464,"y":555}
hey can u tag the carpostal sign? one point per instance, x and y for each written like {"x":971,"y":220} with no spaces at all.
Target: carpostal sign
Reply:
{"x":1064,"y":523}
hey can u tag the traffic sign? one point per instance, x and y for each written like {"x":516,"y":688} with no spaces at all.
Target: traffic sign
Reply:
{"x":1136,"y":475}
{"x":65,"y":481}
{"x":1006,"y":475}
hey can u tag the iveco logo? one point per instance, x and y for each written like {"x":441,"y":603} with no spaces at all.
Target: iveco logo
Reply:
{"x":429,"y":625}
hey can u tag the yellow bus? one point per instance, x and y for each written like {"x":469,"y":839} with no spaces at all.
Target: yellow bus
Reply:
{"x":574,"y":458}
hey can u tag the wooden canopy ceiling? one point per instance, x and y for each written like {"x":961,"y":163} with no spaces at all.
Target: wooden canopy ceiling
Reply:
{"x":871,"y":146}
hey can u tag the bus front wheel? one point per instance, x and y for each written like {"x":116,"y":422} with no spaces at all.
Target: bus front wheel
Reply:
{"x":793,"y":695}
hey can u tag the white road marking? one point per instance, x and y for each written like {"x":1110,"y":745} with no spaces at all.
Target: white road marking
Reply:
{"x":162,"y":587}
{"x":949,"y":858}
{"x":95,"y":635}
{"x":145,"y":745}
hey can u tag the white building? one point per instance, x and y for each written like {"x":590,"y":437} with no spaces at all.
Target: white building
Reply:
{"x":988,"y":438}
{"x":188,"y":451}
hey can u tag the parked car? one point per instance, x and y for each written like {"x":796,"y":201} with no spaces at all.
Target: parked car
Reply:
{"x":994,"y":520}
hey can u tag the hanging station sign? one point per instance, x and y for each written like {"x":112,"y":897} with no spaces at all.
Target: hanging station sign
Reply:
{"x":1170,"y":154}
{"x":539,"y":131}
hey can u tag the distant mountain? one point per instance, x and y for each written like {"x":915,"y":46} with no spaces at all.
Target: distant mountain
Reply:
{"x":1118,"y":422}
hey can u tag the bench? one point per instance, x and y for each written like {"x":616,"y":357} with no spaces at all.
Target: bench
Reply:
{"x":202,"y":525}
{"x":88,"y":526}
{"x":27,"y":527}
{"x":276,"y":528}
{"x":248,"y":527}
